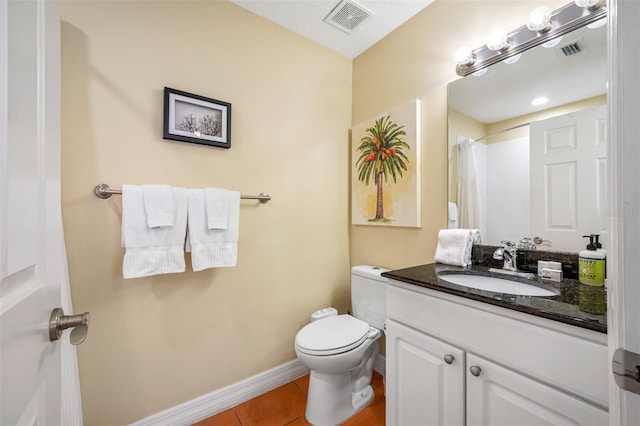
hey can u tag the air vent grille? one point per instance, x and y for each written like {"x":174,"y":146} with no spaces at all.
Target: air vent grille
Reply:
{"x":347,"y":15}
{"x":571,"y":49}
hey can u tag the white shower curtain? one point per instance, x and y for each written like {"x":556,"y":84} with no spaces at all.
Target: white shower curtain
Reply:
{"x":469,"y":202}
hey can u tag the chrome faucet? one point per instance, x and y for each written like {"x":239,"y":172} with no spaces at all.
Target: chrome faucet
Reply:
{"x":508,"y":255}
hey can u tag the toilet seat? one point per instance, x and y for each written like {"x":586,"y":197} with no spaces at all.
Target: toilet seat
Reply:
{"x":333,"y":335}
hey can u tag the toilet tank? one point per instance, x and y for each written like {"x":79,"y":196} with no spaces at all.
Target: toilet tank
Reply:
{"x":369,"y":294}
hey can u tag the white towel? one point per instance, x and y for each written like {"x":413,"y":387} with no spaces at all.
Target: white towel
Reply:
{"x":212,"y":248}
{"x":217,"y":202}
{"x":452,"y":215}
{"x":454,"y":246}
{"x":159,"y":205}
{"x":151,"y":251}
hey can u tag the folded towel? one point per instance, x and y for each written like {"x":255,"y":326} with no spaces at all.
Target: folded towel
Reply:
{"x":151,"y":251}
{"x":454,"y":246}
{"x":159,"y":205}
{"x":212,"y":248}
{"x":217,"y":203}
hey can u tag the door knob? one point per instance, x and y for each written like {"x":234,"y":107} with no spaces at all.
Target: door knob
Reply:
{"x":448,"y":358}
{"x":60,"y":322}
{"x":475,"y":370}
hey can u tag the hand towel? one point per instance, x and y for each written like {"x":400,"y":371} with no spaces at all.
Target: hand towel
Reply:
{"x":151,"y":251}
{"x":454,"y":247}
{"x":217,"y":205}
{"x":159,"y":205}
{"x":212,"y":248}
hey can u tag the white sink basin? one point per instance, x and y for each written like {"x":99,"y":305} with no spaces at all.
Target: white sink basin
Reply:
{"x":497,"y":285}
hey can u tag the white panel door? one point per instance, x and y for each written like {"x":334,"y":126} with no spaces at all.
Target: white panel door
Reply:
{"x":501,"y":397}
{"x":568,"y":178}
{"x":421,"y":387}
{"x":30,"y":219}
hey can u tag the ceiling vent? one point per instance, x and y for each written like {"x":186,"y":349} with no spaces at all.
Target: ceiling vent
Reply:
{"x":347,"y":15}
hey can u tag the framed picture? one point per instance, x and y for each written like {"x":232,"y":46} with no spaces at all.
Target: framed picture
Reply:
{"x":385,"y":171}
{"x":196,"y":119}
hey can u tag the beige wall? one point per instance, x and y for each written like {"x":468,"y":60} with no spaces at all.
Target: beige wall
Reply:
{"x":416,"y":62}
{"x":159,"y":341}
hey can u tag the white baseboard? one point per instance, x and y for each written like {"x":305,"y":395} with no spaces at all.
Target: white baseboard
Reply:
{"x":215,"y":402}
{"x":212,"y":403}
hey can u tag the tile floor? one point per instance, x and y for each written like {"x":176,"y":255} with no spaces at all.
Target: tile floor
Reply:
{"x":286,"y":405}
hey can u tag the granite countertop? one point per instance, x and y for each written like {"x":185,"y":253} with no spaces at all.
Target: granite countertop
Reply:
{"x":568,"y":307}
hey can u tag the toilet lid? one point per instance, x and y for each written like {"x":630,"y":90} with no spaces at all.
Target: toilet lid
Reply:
{"x":332,"y":335}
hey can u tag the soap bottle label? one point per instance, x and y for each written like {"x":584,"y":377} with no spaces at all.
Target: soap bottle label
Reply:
{"x":591,"y":271}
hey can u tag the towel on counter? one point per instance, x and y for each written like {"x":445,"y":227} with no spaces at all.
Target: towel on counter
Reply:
{"x":217,"y":203}
{"x":159,"y":205}
{"x":454,"y":246}
{"x":212,"y":248}
{"x":151,"y":251}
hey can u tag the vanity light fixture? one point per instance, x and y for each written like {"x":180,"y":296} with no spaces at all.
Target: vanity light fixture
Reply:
{"x":552,"y":43}
{"x":542,"y":28}
{"x":540,"y":20}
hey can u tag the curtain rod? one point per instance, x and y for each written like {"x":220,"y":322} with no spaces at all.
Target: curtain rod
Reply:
{"x":501,"y":131}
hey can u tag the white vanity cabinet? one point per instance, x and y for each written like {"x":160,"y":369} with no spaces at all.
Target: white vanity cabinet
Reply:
{"x":455,"y":361}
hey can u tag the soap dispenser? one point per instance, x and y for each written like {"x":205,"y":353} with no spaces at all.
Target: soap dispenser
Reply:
{"x":591,"y":264}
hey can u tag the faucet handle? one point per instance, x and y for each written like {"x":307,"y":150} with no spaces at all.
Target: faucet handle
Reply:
{"x":507,"y":244}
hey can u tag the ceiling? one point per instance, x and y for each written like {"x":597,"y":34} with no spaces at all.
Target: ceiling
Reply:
{"x":306,"y":17}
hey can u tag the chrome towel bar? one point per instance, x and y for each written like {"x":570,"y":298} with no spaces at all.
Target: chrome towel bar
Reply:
{"x":104,"y":192}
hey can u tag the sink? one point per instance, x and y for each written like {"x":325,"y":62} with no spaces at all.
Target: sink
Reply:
{"x":497,"y":285}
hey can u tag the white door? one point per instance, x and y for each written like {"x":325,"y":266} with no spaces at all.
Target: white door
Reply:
{"x":424,"y":379}
{"x":497,"y":396}
{"x":623,"y":265}
{"x":31,"y":239}
{"x":568,"y":178}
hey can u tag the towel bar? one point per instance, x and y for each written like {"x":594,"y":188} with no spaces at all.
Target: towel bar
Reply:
{"x":104,"y":192}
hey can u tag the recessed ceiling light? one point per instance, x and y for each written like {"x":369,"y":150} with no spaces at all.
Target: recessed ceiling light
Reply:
{"x":540,"y":100}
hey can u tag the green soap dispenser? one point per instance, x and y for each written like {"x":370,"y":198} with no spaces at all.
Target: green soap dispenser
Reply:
{"x":591,"y":264}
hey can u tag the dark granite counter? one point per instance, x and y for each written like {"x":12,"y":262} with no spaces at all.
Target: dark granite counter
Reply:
{"x":572,"y":306}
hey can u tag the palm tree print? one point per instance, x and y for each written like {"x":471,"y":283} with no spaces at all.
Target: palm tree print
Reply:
{"x":381,"y":157}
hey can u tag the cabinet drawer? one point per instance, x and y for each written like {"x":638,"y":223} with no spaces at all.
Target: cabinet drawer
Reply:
{"x":575,"y":364}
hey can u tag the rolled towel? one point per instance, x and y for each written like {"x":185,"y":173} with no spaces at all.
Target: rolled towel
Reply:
{"x":454,"y":247}
{"x":159,"y":205}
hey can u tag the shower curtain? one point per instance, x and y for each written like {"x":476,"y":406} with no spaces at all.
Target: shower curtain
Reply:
{"x":469,"y":202}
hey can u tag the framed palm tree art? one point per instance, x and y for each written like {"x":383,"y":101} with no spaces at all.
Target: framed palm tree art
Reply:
{"x":385,"y":170}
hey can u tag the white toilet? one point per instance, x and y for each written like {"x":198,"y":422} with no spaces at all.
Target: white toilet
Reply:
{"x":340,"y":351}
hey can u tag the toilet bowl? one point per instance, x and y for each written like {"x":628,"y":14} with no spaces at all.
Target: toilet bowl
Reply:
{"x":340,"y":351}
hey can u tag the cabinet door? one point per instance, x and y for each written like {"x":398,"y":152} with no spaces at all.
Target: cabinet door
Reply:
{"x":499,"y":396}
{"x":422,"y":388}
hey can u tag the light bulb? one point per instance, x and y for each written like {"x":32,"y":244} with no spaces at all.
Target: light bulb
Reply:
{"x":464,"y":56}
{"x":498,"y":40}
{"x":552,"y":43}
{"x":513,"y":59}
{"x":540,"y":20}
{"x":589,"y":4}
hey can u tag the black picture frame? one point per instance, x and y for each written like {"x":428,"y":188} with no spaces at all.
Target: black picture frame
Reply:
{"x":196,"y":119}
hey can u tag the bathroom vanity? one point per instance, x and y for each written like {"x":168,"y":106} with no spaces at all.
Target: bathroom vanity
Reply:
{"x":458,"y":355}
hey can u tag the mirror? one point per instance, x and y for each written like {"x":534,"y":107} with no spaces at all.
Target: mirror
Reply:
{"x":519,"y":168}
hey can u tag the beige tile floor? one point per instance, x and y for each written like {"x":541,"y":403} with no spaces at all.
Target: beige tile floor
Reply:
{"x":286,"y":405}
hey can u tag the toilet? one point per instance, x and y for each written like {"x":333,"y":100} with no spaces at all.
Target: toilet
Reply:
{"x":340,"y":350}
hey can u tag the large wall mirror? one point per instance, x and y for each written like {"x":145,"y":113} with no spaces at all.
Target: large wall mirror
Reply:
{"x":527,"y":144}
